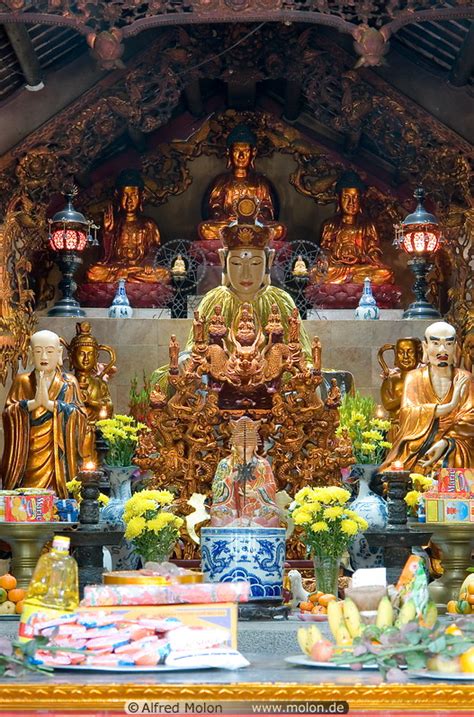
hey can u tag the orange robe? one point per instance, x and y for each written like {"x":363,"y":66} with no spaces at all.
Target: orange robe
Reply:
{"x":42,"y":448}
{"x":420,"y":428}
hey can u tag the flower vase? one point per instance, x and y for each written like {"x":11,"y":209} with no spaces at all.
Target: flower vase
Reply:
{"x":120,"y":307}
{"x":123,"y":555}
{"x":374,"y":510}
{"x":326,"y":572}
{"x":367,"y":309}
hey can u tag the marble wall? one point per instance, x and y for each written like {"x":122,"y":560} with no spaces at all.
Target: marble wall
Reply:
{"x":141,"y":344}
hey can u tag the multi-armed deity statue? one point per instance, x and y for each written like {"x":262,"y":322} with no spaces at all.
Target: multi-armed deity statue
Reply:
{"x":437,"y":408}
{"x":408,"y":354}
{"x":44,"y":422}
{"x":83,"y":352}
{"x":242,"y":180}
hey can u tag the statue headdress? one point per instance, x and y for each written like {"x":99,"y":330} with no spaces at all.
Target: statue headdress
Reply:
{"x":129,"y":178}
{"x":241,"y":133}
{"x":83,"y":336}
{"x":247,"y":231}
{"x":350,"y":180}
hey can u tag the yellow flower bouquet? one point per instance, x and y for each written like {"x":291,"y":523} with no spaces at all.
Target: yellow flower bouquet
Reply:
{"x":366,"y":431}
{"x":150,"y":525}
{"x":121,"y":434}
{"x":420,"y":485}
{"x":328,"y":527}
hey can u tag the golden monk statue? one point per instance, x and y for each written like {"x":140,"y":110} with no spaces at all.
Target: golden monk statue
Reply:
{"x":83,"y":353}
{"x":351,"y":241}
{"x":44,"y":422}
{"x":437,"y":408}
{"x":408,"y":354}
{"x":130,"y":239}
{"x":242,"y":180}
{"x":244,"y":489}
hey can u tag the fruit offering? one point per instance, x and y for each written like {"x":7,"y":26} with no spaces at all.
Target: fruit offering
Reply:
{"x":11,"y":597}
{"x":465,"y":604}
{"x":317,"y":603}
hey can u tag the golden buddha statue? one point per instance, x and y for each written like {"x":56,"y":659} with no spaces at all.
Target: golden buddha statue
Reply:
{"x":83,"y":354}
{"x":242,"y":180}
{"x":408,"y":355}
{"x":44,"y":422}
{"x":351,"y":240}
{"x":130,"y":239}
{"x":437,"y":409}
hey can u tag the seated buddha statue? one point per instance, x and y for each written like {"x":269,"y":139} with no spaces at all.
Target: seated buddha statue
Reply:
{"x":226,"y":189}
{"x":83,"y":354}
{"x":130,"y":239}
{"x":44,"y":422}
{"x":351,"y":241}
{"x":244,"y":488}
{"x":436,"y":410}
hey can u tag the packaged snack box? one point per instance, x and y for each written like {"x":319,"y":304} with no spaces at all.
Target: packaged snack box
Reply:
{"x":29,"y":507}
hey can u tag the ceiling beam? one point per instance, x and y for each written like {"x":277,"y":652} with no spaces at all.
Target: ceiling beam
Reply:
{"x":464,"y":63}
{"x":26,"y":55}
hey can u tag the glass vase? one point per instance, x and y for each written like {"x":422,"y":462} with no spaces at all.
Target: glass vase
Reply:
{"x":326,"y":572}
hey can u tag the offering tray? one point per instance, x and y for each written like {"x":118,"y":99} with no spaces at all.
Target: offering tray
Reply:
{"x":149,"y":577}
{"x":305,"y":661}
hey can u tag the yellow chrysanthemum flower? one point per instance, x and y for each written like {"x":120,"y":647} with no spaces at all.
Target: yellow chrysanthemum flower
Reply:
{"x":368,"y":447}
{"x":162,"y":497}
{"x":412,"y":498}
{"x":135,"y":527}
{"x":372,"y":435}
{"x":320,"y":527}
{"x":349,"y":527}
{"x":103,"y":499}
{"x":380,"y":423}
{"x":332,"y":512}
{"x":301,"y":516}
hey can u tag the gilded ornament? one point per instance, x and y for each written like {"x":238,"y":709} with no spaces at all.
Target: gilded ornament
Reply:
{"x":408,"y":354}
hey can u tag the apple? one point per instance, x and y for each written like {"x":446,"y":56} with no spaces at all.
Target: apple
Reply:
{"x":447,"y":665}
{"x":3,"y":595}
{"x":7,"y":608}
{"x":321,"y":651}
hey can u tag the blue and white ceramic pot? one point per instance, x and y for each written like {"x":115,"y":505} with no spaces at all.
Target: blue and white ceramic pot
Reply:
{"x":367,"y":309}
{"x":123,"y":555}
{"x":373,"y":509}
{"x":255,"y":554}
{"x":120,"y":307}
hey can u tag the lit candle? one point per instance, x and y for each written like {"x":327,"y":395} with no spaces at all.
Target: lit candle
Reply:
{"x":89,"y":466}
{"x":103,"y":413}
{"x":379,"y":412}
{"x":396,"y":466}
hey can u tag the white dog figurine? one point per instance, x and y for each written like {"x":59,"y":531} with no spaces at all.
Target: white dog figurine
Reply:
{"x":298,"y":593}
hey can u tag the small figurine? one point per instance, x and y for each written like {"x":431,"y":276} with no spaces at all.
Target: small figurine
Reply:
{"x":334,"y":398}
{"x":179,"y":267}
{"x":44,"y":422}
{"x":316,"y":353}
{"x":217,"y":329}
{"x":244,"y":489}
{"x":173,"y":349}
{"x":300,"y":268}
{"x":294,"y":327}
{"x":274,"y":326}
{"x":437,"y":409}
{"x":198,"y":329}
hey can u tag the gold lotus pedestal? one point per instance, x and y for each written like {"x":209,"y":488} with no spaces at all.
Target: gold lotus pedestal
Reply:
{"x":456,"y":541}
{"x":26,"y":541}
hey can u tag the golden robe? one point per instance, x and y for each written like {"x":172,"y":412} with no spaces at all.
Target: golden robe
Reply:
{"x":42,"y":448}
{"x":420,"y":428}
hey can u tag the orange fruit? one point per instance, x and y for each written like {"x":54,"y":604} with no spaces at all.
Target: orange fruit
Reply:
{"x":451,"y":606}
{"x":466,"y":661}
{"x":19,"y":607}
{"x":315,"y":596}
{"x":453,"y":630}
{"x":470,"y":599}
{"x":324,"y":600}
{"x":7,"y":582}
{"x":16,"y":594}
{"x":470,"y":588}
{"x":306,"y":606}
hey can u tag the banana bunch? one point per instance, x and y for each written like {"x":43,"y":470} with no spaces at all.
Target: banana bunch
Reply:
{"x":307,"y":637}
{"x":344,"y":621}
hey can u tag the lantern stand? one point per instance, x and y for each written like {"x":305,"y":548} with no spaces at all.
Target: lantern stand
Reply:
{"x":69,"y":233}
{"x":419,"y":235}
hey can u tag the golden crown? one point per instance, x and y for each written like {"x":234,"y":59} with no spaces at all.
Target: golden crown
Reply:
{"x":246,"y":231}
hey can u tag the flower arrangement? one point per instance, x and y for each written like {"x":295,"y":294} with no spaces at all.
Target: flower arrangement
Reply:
{"x":328,"y":526}
{"x":150,"y":524}
{"x":121,"y":434}
{"x":420,"y":484}
{"x":358,"y":419}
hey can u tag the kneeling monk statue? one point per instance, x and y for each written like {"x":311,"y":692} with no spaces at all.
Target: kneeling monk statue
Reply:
{"x":437,"y":408}
{"x":44,"y":422}
{"x":130,"y":239}
{"x":244,"y":489}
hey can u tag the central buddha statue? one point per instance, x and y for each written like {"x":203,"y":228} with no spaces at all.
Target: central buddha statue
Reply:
{"x":242,"y":180}
{"x":130,"y":239}
{"x":351,"y":241}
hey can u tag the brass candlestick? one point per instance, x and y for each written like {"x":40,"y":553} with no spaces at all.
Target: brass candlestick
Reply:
{"x":89,"y":510}
{"x":397,"y":483}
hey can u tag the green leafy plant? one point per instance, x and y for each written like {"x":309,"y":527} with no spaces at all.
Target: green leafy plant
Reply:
{"x":366,"y":431}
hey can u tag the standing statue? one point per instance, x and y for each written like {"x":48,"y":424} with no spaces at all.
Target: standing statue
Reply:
{"x":244,"y":489}
{"x":437,"y":408}
{"x":44,"y":422}
{"x":351,"y":241}
{"x":241,"y":181}
{"x":130,"y":239}
{"x":83,"y":354}
{"x":408,"y":354}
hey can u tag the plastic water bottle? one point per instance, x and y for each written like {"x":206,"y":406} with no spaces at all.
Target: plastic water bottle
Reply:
{"x":53,"y":590}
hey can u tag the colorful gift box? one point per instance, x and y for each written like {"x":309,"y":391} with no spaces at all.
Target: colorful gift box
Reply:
{"x":68,"y":509}
{"x":105,"y":595}
{"x":449,"y":510}
{"x":29,"y":508}
{"x":456,"y":480}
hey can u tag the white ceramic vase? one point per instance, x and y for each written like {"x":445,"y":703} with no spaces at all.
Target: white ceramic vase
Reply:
{"x":373,"y":509}
{"x":123,"y":555}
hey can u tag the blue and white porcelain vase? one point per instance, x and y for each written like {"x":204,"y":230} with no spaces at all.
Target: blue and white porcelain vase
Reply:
{"x":120,"y":307}
{"x":255,"y":554}
{"x":123,"y":555}
{"x":373,"y":509}
{"x":367,"y":309}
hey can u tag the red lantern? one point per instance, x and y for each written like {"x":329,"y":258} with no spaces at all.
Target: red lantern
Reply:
{"x":67,"y":239}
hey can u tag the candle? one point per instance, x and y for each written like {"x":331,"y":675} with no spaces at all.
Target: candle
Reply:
{"x":89,"y":466}
{"x":103,"y":413}
{"x":396,"y":466}
{"x":379,"y":412}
